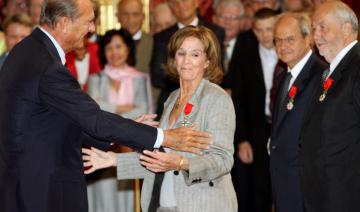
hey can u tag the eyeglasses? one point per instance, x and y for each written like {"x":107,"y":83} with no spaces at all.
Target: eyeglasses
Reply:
{"x":289,"y":40}
{"x":229,"y":17}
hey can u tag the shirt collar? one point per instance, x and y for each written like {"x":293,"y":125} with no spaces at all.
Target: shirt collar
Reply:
{"x":267,"y":52}
{"x":195,"y":22}
{"x":57,"y":46}
{"x":335,"y":62}
{"x":232,"y":42}
{"x":295,"y":71}
{"x":137,"y":35}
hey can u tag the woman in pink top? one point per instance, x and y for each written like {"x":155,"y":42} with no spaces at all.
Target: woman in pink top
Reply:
{"x":121,"y":89}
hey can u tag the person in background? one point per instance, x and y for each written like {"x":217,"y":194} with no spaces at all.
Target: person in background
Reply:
{"x":228,"y":15}
{"x":252,"y":6}
{"x":297,"y":5}
{"x":256,"y":64}
{"x":131,"y":16}
{"x":34,"y":10}
{"x":186,"y":182}
{"x":11,"y":7}
{"x":84,"y":62}
{"x":161,"y":18}
{"x":16,"y":28}
{"x":8,"y":8}
{"x":123,"y":90}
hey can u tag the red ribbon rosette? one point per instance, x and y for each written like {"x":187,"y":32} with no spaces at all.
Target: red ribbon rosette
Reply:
{"x":291,"y":94}
{"x":188,"y":109}
{"x":326,"y":86}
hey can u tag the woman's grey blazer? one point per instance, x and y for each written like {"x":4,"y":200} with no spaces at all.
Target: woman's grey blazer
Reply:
{"x":98,"y":89}
{"x":207,"y":186}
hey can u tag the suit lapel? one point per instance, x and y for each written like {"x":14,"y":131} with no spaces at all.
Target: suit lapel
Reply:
{"x":300,"y":83}
{"x":258,"y":67}
{"x":234,"y":55}
{"x":343,"y":66}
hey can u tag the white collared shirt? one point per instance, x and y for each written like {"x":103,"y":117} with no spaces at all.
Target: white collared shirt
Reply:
{"x":82,"y":68}
{"x":295,"y":71}
{"x":195,"y":22}
{"x":230,"y":48}
{"x":57,"y":46}
{"x":160,"y":132}
{"x":335,"y":62}
{"x":137,"y":36}
{"x":269,"y":59}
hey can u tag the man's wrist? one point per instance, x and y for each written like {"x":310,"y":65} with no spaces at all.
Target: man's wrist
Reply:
{"x":159,"y":138}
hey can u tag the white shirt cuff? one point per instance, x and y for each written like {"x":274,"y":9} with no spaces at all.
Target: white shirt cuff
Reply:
{"x":159,"y":138}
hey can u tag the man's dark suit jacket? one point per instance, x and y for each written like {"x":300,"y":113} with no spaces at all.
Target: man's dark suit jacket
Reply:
{"x":286,"y":128}
{"x":159,"y":78}
{"x":45,"y":118}
{"x":330,"y":140}
{"x":249,"y":100}
{"x":232,"y":66}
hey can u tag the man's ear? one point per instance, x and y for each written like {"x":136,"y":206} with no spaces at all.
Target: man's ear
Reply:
{"x":347,"y":29}
{"x":64,"y":24}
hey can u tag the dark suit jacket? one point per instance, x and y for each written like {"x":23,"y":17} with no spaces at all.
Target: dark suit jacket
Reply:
{"x":159,"y":78}
{"x":2,"y":59}
{"x":286,"y":127}
{"x":44,"y":119}
{"x":330,"y":153}
{"x":248,"y":93}
{"x":232,"y":67}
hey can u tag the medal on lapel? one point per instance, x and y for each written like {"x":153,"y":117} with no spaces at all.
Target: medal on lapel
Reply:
{"x":326,"y":86}
{"x":187,"y":110}
{"x":291,"y":94}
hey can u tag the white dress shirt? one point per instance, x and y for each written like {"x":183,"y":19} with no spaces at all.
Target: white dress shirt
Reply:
{"x":335,"y":62}
{"x":137,"y":35}
{"x":269,"y":59}
{"x":160,"y":132}
{"x":230,"y":48}
{"x":82,"y":68}
{"x":195,"y":22}
{"x":295,"y":71}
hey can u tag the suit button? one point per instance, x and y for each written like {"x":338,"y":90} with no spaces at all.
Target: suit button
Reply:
{"x":211,"y":184}
{"x":176,"y":172}
{"x":300,"y":146}
{"x":273,"y":147}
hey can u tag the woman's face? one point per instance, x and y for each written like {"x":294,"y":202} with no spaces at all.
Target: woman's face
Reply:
{"x":191,"y":60}
{"x":116,"y":52}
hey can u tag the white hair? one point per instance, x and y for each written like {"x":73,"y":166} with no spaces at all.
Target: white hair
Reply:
{"x":345,"y":14}
{"x":234,"y":3}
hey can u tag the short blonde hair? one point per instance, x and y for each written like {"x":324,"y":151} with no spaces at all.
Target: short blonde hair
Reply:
{"x":214,"y":71}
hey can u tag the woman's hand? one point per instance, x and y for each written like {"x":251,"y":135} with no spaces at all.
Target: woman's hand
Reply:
{"x":97,"y":159}
{"x":162,"y":161}
{"x":120,"y":109}
{"x":147,"y":119}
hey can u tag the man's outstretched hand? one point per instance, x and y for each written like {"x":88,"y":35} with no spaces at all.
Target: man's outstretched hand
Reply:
{"x":187,"y":139}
